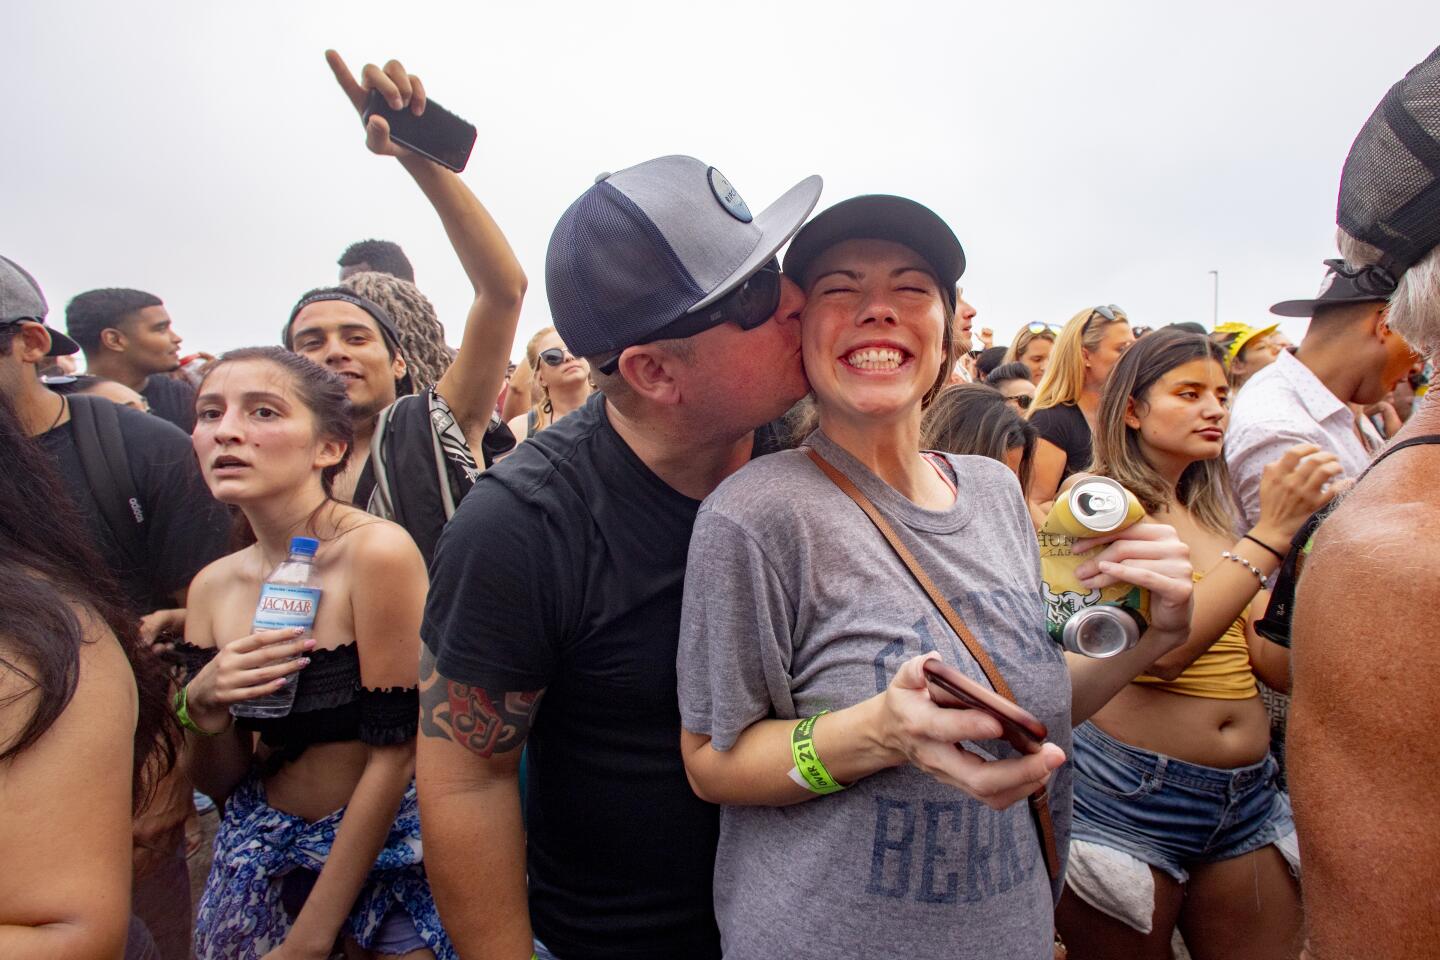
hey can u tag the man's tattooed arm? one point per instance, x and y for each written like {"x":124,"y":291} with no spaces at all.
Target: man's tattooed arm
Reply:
{"x":485,"y":722}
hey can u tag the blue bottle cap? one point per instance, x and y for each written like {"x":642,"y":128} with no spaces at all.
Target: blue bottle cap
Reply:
{"x":305,"y":546}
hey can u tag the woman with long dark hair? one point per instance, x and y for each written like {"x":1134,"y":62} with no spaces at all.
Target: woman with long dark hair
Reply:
{"x":85,"y":724}
{"x":318,"y":848}
{"x":976,"y":419}
{"x":1174,"y":777}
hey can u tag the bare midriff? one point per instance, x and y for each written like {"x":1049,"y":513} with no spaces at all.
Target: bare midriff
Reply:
{"x":1214,"y":733}
{"x":319,"y":782}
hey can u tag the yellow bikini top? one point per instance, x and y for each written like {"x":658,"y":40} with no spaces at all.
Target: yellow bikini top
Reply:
{"x":1221,"y":673}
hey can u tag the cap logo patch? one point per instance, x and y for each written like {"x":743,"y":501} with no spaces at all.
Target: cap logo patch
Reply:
{"x":729,"y":197}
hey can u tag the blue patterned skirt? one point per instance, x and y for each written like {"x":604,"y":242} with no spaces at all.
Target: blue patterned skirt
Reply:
{"x":241,"y":915}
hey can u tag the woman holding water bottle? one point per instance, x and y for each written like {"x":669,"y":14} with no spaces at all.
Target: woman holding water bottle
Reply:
{"x":303,"y":715}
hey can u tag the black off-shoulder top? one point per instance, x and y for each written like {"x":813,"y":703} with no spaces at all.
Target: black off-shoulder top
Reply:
{"x":331,"y":706}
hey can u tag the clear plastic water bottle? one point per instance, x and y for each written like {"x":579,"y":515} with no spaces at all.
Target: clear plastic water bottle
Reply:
{"x":287,"y":600}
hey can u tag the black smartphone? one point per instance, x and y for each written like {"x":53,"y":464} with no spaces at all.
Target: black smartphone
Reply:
{"x":951,"y":688}
{"x":437,"y":133}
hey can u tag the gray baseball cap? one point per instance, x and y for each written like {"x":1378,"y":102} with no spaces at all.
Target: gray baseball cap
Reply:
{"x":643,"y":247}
{"x":21,"y":299}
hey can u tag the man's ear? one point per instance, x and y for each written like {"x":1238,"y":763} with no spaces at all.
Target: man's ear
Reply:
{"x":32,"y":342}
{"x":650,"y":372}
{"x":1379,"y":322}
{"x":398,"y":366}
{"x":113,"y":339}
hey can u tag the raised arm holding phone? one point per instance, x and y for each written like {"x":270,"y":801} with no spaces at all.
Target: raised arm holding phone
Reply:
{"x":471,"y":384}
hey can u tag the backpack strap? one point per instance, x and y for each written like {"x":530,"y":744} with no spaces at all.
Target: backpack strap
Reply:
{"x":1275,"y":624}
{"x":1426,"y":438}
{"x":95,"y":423}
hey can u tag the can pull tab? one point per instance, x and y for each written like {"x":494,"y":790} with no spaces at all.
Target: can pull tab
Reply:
{"x":1092,"y":504}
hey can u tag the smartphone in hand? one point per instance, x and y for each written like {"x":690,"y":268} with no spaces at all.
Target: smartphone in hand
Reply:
{"x":436,"y":134}
{"x":950,"y":688}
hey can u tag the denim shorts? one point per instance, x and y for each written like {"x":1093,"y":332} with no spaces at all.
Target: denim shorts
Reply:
{"x":1169,"y":813}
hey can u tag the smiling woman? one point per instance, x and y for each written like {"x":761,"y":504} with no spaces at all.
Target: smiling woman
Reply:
{"x":806,"y":608}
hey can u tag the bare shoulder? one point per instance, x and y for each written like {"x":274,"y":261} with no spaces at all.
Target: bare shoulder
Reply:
{"x":375,"y":544}
{"x":1363,"y":635}
{"x":104,"y":683}
{"x":216,"y":574}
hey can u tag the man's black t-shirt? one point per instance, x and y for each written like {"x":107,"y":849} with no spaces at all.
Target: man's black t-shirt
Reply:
{"x":1065,"y":426}
{"x":172,"y":400}
{"x":185,"y":527}
{"x":563,"y":569}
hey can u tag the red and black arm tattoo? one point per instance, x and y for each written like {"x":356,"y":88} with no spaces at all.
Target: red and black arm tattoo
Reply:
{"x":485,"y":722}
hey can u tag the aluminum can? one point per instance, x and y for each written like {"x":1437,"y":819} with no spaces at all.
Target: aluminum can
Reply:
{"x":1094,"y":506}
{"x":1101,"y":632}
{"x":1094,"y":623}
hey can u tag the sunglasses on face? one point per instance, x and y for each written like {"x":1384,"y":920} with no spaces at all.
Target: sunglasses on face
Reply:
{"x":747,"y":306}
{"x":1022,"y":401}
{"x":555,"y":356}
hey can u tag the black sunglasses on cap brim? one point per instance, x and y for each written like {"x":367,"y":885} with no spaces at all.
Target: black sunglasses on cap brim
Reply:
{"x":747,"y":306}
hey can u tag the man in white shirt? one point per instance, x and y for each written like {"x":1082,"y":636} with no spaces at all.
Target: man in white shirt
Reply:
{"x":1349,"y":355}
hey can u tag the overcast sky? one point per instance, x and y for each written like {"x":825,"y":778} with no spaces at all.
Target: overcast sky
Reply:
{"x":1083,"y":152}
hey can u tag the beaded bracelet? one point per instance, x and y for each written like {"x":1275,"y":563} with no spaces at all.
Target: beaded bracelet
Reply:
{"x":1246,"y":564}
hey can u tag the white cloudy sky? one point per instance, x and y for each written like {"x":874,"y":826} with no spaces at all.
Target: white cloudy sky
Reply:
{"x":1084,"y":152}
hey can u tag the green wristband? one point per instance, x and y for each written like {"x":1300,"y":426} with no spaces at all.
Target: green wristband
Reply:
{"x":807,"y":761}
{"x":182,"y":713}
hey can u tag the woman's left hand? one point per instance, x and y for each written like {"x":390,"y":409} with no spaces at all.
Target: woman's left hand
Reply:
{"x":1150,"y":556}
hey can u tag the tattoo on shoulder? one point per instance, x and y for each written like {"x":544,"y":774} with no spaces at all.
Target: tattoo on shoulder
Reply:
{"x":485,"y":722}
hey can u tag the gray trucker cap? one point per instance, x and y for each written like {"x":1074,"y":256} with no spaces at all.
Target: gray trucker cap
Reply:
{"x":643,"y":247}
{"x":21,"y":299}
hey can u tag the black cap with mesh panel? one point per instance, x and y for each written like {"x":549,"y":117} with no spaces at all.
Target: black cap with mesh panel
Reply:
{"x":1390,"y":187}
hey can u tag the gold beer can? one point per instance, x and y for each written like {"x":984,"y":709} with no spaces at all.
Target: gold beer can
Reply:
{"x":1094,"y":623}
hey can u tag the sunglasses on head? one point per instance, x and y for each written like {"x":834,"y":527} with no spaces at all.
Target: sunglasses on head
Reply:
{"x":1038,"y":327}
{"x":1109,"y":311}
{"x":555,"y":356}
{"x":747,"y":306}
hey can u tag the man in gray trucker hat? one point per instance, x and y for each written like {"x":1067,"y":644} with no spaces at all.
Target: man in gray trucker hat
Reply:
{"x":667,"y":282}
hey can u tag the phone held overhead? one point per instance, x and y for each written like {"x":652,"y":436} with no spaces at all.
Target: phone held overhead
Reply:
{"x":436,"y":134}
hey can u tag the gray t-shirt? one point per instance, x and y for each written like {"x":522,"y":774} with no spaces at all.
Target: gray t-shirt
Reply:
{"x":794,"y":604}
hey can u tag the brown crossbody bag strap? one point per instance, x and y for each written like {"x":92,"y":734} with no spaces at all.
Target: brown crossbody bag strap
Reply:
{"x":1039,"y":801}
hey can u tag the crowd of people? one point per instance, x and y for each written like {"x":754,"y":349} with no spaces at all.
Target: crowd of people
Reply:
{"x":639,"y":648}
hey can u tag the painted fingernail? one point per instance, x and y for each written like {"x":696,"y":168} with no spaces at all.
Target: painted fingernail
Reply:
{"x":304,"y":661}
{"x":309,"y":643}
